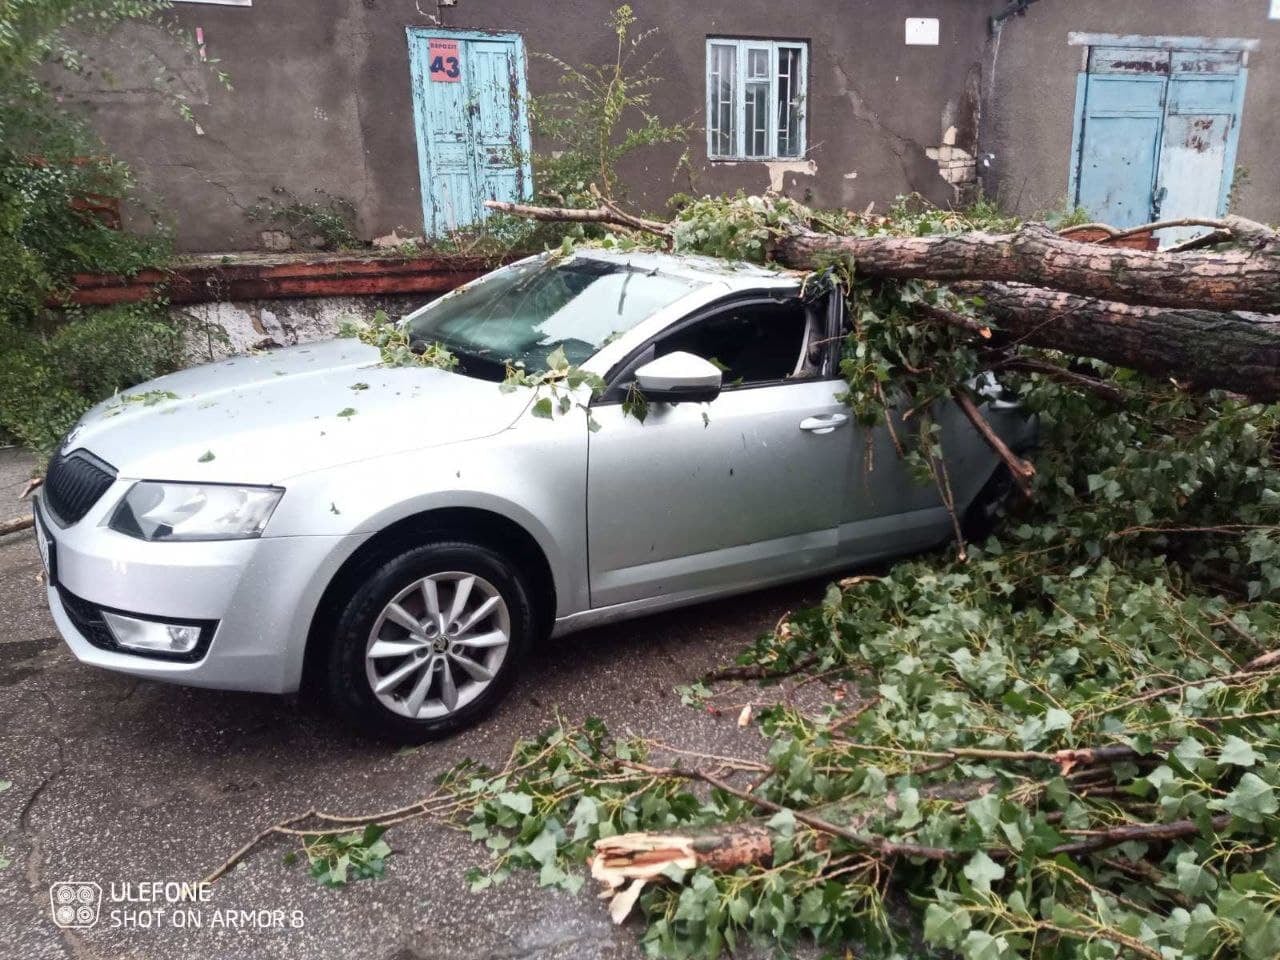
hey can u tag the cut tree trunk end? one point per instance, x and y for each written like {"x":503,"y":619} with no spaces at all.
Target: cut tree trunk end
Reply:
{"x":625,"y":863}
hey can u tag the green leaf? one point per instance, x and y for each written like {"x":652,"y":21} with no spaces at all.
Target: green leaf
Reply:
{"x":556,"y":360}
{"x":1252,"y":800}
{"x":205,"y":457}
{"x":543,"y":847}
{"x":985,"y":812}
{"x":542,"y":408}
{"x":1236,"y":752}
{"x":1193,"y":879}
{"x":982,"y":871}
{"x":945,"y":925}
{"x":980,"y":945}
{"x":519,"y":802}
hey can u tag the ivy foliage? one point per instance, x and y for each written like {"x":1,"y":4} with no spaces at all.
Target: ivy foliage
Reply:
{"x":52,"y":172}
{"x":1079,"y":723}
{"x":334,"y":859}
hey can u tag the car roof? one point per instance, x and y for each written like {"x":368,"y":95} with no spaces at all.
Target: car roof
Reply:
{"x":736,"y":274}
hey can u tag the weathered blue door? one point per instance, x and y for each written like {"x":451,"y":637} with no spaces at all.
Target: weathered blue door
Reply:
{"x":471,"y":122}
{"x":1156,"y":133}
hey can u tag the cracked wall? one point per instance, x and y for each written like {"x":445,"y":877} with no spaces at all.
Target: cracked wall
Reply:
{"x":322,"y":99}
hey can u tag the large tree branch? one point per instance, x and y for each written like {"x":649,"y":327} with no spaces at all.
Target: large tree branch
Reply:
{"x":1230,"y":351}
{"x":1021,"y":470}
{"x":1035,"y":255}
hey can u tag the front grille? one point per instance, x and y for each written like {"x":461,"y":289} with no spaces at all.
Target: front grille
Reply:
{"x":73,"y":483}
{"x":87,"y":618}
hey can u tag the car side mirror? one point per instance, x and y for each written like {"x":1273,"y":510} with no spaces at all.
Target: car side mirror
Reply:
{"x":679,"y":376}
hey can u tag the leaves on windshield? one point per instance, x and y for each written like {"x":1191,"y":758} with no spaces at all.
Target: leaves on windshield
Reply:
{"x":392,"y":340}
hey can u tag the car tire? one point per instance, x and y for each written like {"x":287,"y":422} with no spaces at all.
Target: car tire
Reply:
{"x":367,"y":623}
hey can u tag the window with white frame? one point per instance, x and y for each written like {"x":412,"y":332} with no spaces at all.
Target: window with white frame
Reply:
{"x":756,"y":98}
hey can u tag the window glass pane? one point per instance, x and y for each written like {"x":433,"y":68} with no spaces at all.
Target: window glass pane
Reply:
{"x":757,"y":64}
{"x":790,"y":90}
{"x":722,"y":78}
{"x":753,"y":343}
{"x":757,"y":119}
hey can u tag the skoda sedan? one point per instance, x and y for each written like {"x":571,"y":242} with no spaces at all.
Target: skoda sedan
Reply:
{"x":397,"y":537}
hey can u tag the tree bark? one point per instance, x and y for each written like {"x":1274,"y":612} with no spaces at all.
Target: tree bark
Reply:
{"x":1198,"y":316}
{"x":1035,"y":255}
{"x":1230,"y":351}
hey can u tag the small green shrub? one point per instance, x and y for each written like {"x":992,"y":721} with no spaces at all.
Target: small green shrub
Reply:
{"x":329,"y":219}
{"x":48,"y":381}
{"x":587,"y":118}
{"x":54,"y":366}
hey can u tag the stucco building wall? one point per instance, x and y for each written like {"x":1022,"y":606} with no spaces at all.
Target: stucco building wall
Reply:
{"x":1030,"y":78}
{"x":321,"y":99}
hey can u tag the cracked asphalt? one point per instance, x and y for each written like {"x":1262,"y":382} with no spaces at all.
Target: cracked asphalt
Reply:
{"x":116,"y":780}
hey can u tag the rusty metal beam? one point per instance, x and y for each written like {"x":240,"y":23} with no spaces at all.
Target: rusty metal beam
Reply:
{"x":205,"y":279}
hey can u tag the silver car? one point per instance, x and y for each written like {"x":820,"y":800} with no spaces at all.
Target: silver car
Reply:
{"x":398,"y":537}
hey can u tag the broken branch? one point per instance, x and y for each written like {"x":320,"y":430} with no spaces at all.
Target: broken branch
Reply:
{"x":14,"y":525}
{"x":607,"y":214}
{"x":1021,"y":470}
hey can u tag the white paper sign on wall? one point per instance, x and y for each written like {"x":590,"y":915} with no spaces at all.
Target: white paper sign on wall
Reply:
{"x":1275,"y":10}
{"x":923,"y":31}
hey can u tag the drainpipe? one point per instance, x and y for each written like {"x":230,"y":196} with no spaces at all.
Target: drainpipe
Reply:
{"x":1018,"y":8}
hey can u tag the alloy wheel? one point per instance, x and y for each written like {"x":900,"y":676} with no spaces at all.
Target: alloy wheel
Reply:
{"x":437,"y":645}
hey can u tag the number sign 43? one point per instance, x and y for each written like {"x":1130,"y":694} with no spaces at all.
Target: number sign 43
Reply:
{"x":444,"y":60}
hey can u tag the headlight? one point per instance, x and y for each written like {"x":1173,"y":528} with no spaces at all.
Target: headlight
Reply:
{"x":194,"y":511}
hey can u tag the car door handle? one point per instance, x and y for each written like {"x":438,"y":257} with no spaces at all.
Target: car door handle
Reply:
{"x":824,"y":423}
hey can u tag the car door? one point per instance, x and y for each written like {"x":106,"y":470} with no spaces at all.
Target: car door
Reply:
{"x":702,"y":498}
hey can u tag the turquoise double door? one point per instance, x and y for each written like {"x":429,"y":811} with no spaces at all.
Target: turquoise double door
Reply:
{"x":471,"y":123}
{"x":1156,"y":133}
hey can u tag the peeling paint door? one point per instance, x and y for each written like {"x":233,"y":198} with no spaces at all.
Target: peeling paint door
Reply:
{"x":1202,"y":120}
{"x":1156,"y":132}
{"x":471,"y":123}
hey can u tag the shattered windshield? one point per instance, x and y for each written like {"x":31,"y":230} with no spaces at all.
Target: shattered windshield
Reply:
{"x":526,"y":311}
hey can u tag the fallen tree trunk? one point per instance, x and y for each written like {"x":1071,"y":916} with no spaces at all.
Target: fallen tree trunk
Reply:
{"x":1206,"y":349}
{"x":1035,"y":255}
{"x":1245,"y":279}
{"x":1197,"y":316}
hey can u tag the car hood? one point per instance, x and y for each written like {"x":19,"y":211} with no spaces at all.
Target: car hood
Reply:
{"x":264,"y":418}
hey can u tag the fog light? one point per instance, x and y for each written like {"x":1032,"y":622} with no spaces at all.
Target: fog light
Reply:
{"x":151,"y":635}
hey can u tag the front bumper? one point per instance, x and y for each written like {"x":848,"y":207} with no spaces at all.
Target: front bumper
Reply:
{"x":258,"y":596}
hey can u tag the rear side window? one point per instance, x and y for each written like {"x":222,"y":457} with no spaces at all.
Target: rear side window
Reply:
{"x":751,"y":342}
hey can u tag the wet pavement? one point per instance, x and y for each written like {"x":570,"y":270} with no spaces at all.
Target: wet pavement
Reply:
{"x":119,"y":781}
